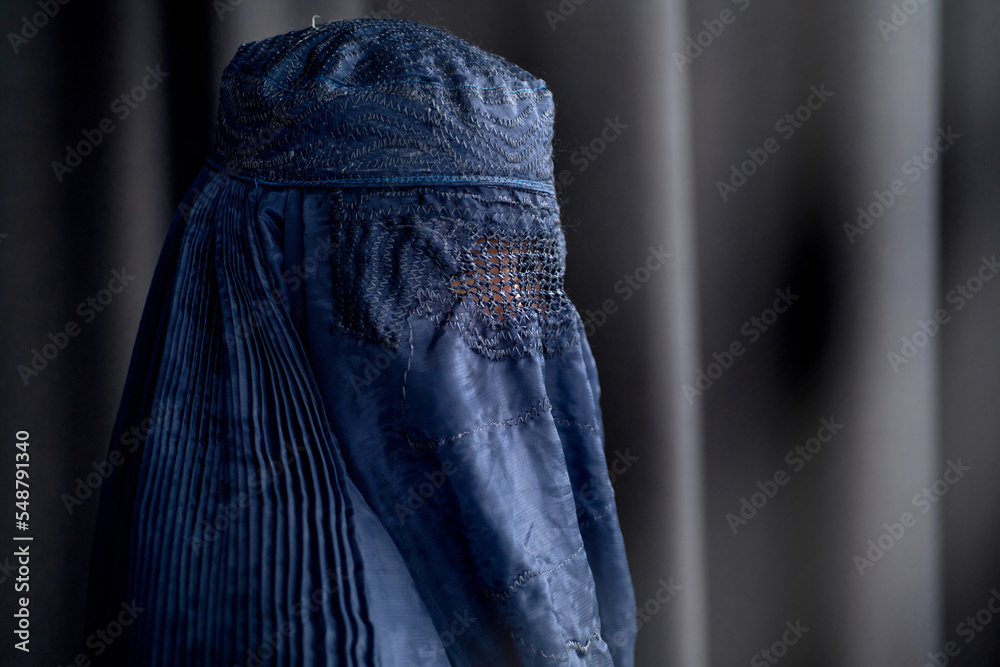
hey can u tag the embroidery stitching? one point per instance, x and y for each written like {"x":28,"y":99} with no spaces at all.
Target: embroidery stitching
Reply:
{"x":424,"y":446}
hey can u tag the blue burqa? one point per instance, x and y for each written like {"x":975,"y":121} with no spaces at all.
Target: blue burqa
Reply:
{"x":361,"y":424}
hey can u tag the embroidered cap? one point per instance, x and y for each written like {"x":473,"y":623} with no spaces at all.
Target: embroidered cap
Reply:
{"x":382,"y":101}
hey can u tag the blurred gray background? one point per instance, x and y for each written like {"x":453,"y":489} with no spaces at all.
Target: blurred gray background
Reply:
{"x":740,"y":136}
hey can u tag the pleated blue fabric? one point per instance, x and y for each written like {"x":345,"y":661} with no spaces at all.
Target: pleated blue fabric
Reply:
{"x":361,"y":424}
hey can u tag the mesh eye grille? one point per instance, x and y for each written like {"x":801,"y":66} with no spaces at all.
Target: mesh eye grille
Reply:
{"x":485,"y":267}
{"x":510,"y":276}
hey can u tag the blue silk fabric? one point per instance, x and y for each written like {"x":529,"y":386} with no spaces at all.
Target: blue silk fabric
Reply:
{"x":361,"y":424}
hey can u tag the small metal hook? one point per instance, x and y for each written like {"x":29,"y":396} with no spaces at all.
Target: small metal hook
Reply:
{"x":314,"y":20}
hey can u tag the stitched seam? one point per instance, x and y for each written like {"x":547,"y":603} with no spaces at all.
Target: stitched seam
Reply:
{"x":434,"y":83}
{"x":557,"y":658}
{"x":456,"y":213}
{"x":560,"y":420}
{"x":542,"y":186}
{"x":382,"y":84}
{"x":425,"y":446}
{"x":596,"y":517}
{"x":406,"y":373}
{"x":501,"y":597}
{"x":581,"y":649}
